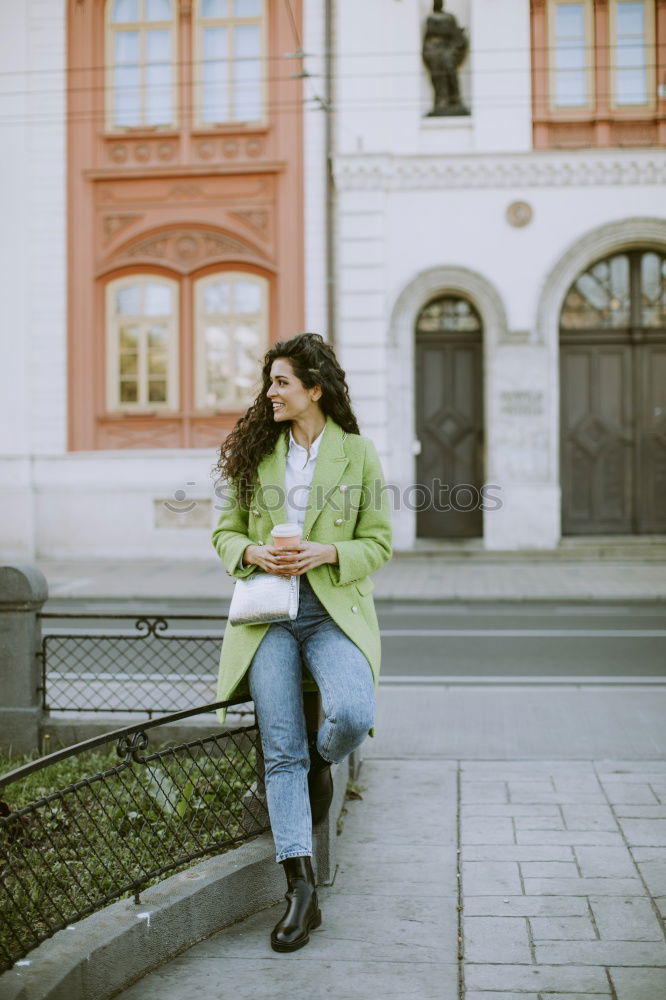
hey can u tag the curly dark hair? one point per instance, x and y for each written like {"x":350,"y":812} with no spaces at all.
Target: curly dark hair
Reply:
{"x":256,"y":432}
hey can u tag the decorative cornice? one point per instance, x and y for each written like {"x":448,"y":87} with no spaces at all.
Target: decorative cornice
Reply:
{"x":534,"y":169}
{"x":184,"y":250}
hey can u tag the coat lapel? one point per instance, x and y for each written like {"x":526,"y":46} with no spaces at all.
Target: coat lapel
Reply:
{"x":329,"y":468}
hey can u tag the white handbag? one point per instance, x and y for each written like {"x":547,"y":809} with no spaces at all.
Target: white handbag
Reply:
{"x":264,"y":597}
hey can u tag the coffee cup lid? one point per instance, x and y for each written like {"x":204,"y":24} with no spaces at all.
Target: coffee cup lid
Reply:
{"x":286,"y":530}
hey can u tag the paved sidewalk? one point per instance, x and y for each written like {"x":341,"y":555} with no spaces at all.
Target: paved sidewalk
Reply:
{"x":536,"y":871}
{"x":577,"y":574}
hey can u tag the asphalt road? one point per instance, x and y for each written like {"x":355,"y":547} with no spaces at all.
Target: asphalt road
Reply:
{"x":102,"y":664}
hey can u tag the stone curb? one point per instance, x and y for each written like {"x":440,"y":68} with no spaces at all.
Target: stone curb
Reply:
{"x":108,"y":951}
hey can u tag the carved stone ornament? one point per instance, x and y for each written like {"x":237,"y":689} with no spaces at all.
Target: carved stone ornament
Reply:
{"x":519,"y":213}
{"x":184,"y":250}
{"x":445,"y":45}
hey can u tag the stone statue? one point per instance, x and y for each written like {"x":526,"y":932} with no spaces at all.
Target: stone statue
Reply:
{"x":445,"y":46}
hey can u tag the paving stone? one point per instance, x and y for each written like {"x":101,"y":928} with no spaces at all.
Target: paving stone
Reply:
{"x":588,"y":817}
{"x":639,"y":984}
{"x":572,"y":996}
{"x":516,"y":852}
{"x":483,"y":791}
{"x":496,"y":939}
{"x":602,"y":953}
{"x":485,"y":995}
{"x":629,"y":918}
{"x":548,"y":869}
{"x":539,"y":823}
{"x":532,"y":791}
{"x":600,"y":838}
{"x":578,"y":784}
{"x":483,"y":878}
{"x":583,"y":886}
{"x":562,"y":928}
{"x":640,"y":811}
{"x":629,"y":792}
{"x":509,"y":809}
{"x":526,"y":906}
{"x":398,"y":868}
{"x":487,"y":830}
{"x":659,"y":789}
{"x":654,"y":873}
{"x":605,"y":862}
{"x":584,"y":979}
{"x":644,"y":832}
{"x":649,"y":853}
{"x":661,"y":905}
{"x":625,"y":769}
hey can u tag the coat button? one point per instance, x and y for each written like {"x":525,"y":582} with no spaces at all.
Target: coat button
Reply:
{"x":338,"y":520}
{"x":259,"y":543}
{"x":255,"y":512}
{"x":344,"y":488}
{"x":354,"y":609}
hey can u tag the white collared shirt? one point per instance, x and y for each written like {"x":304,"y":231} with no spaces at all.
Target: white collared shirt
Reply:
{"x":298,"y":477}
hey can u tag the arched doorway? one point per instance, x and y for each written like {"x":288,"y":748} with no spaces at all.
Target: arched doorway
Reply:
{"x":613,"y":397}
{"x":449,"y":418}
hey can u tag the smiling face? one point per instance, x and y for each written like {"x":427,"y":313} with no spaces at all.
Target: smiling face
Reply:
{"x":290,"y":399}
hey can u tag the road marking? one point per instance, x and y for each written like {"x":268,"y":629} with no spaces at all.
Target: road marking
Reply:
{"x":481,"y":680}
{"x":535,"y":633}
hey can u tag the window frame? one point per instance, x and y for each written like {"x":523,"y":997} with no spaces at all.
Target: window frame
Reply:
{"x":572,"y":110}
{"x":199,"y":122}
{"x":650,"y":47}
{"x":110,"y":32}
{"x":198,"y":317}
{"x":113,"y":403}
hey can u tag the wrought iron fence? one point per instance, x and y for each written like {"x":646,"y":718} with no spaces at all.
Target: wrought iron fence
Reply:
{"x":80,"y":828}
{"x":150,"y":668}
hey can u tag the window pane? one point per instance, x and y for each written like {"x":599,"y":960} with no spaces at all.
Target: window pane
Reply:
{"x":127,"y":48}
{"x":599,"y":298}
{"x":653,"y":290}
{"x":129,"y":338}
{"x":247,"y":8}
{"x":630,"y":54}
{"x":129,"y":363}
{"x":217,"y":297}
{"x":129,"y":391}
{"x":158,"y":77}
{"x":214,"y":8}
{"x":215,"y":102}
{"x":157,"y":301}
{"x":570,"y":58}
{"x":159,"y":10}
{"x":216,"y":340}
{"x":247,"y":73}
{"x":157,"y":391}
{"x":247,"y":297}
{"x":158,"y":337}
{"x":125,"y":10}
{"x":128,"y":300}
{"x":247,"y":362}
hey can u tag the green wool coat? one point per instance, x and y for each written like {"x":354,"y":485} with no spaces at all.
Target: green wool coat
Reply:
{"x":348,"y":507}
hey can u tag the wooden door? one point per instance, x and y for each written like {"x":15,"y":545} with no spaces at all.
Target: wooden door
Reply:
{"x":449,"y":420}
{"x":613,"y":397}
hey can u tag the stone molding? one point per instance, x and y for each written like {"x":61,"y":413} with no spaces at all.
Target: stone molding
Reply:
{"x":534,"y":169}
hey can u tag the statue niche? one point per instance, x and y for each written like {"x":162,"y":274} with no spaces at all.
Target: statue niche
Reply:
{"x":445,"y":45}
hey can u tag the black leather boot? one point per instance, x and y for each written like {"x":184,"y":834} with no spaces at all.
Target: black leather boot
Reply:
{"x":320,"y":785}
{"x":302,"y":914}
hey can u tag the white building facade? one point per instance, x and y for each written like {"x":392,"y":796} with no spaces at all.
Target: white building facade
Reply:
{"x":464,"y":213}
{"x":456,"y":243}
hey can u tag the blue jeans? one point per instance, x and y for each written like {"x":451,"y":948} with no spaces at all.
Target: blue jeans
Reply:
{"x":345,"y":682}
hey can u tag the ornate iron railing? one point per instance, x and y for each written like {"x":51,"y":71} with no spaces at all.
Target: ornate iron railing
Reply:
{"x":152,"y":668}
{"x":80,"y":828}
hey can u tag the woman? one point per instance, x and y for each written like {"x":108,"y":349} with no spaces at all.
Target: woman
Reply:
{"x":297,"y":455}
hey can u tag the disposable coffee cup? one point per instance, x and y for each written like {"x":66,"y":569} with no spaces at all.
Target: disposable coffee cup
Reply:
{"x":286,"y":535}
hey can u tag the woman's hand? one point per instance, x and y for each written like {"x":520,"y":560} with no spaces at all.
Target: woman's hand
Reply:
{"x":292,"y":561}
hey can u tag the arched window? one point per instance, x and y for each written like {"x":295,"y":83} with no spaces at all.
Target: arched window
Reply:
{"x":142,"y":344}
{"x":230,"y":51}
{"x":141,"y":63}
{"x":231,"y":337}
